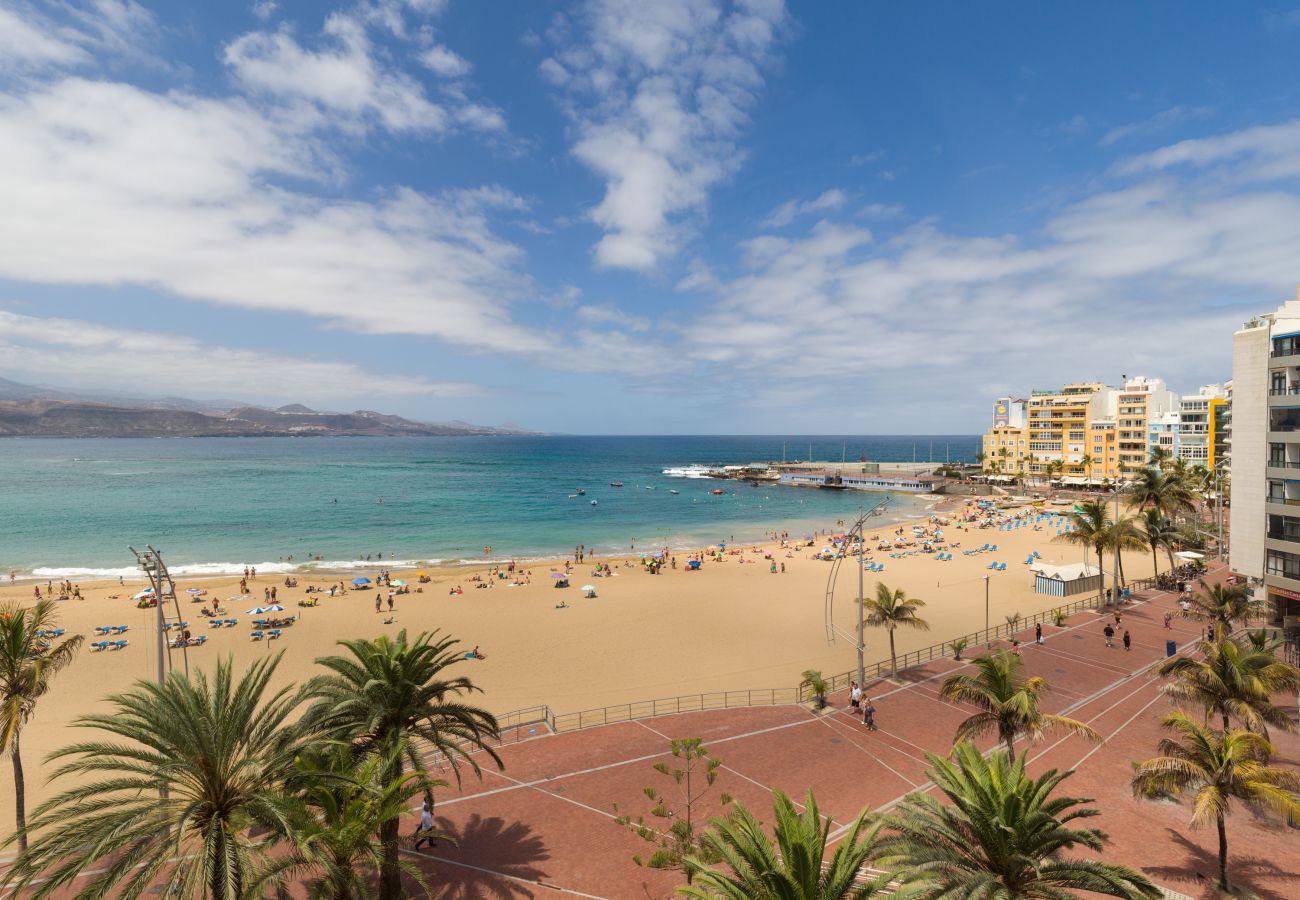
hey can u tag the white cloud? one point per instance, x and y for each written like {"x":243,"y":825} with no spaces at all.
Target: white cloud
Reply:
{"x":790,"y":210}
{"x":1265,"y":151}
{"x":344,"y":78}
{"x":117,"y":359}
{"x":264,"y":9}
{"x":26,"y":45}
{"x":611,"y":315}
{"x":863,"y":159}
{"x":1157,"y":123}
{"x":445,"y":62}
{"x":109,"y":184}
{"x":658,"y":94}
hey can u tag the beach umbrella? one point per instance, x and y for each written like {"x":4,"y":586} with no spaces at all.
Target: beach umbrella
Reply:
{"x":147,"y":592}
{"x":194,"y":590}
{"x":657,"y":555}
{"x":588,"y":587}
{"x":420,"y":574}
{"x":397,"y":582}
{"x":361,"y":581}
{"x":255,"y":611}
{"x":558,"y":575}
{"x":275,"y":607}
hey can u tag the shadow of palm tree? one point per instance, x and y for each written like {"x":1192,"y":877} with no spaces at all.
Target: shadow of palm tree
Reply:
{"x":485,"y":849}
{"x":1198,"y":874}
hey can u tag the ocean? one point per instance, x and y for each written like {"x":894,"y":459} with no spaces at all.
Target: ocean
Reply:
{"x":70,"y":507}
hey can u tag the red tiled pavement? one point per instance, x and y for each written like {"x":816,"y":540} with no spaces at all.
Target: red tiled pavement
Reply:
{"x":547,"y":819}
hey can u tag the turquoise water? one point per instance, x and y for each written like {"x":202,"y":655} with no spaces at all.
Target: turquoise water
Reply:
{"x":70,"y":507}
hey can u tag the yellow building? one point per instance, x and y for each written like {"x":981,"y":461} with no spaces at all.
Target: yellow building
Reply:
{"x":1103,"y":451}
{"x":1058,"y":428}
{"x":1006,"y":451}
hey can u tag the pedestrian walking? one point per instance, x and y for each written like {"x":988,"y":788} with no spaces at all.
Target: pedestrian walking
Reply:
{"x":1109,"y":631}
{"x":869,"y":716}
{"x":1128,"y":641}
{"x":1168,"y":618}
{"x":855,"y":696}
{"x":424,"y":833}
{"x":379,"y":600}
{"x":1038,"y":632}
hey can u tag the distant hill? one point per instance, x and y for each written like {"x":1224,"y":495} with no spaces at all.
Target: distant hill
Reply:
{"x":28,"y":411}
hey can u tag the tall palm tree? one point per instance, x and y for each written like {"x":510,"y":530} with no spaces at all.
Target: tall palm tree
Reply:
{"x":1217,"y":768}
{"x":1160,"y":458}
{"x":1155,"y":489}
{"x":1123,"y":535}
{"x":391,"y":696}
{"x":217,"y":749}
{"x":1233,"y":680}
{"x":794,"y":868}
{"x":1090,"y":527}
{"x":891,"y":609}
{"x":1008,"y":702}
{"x":342,"y":800}
{"x":1223,"y":604}
{"x":1087,"y":462}
{"x":1000,"y":835}
{"x":1157,"y":531}
{"x":29,"y":660}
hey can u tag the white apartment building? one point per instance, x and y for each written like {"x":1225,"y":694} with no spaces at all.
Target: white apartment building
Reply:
{"x":1265,"y":460}
{"x":1202,"y":426}
{"x":1141,"y":401}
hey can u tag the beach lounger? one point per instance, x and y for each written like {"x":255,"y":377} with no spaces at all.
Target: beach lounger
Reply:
{"x":1001,"y":567}
{"x":120,"y":629}
{"x":273,"y":634}
{"x":103,"y":629}
{"x":216,"y":623}
{"x":100,"y":645}
{"x":117,"y":645}
{"x":256,"y":636}
{"x":232,"y":622}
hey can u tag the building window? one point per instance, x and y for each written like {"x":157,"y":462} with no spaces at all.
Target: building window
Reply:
{"x":1287,"y":565}
{"x":1286,"y":346}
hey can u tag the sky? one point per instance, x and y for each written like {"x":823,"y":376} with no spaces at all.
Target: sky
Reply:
{"x":619,"y":216}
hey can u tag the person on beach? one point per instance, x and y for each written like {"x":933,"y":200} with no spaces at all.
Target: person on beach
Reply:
{"x":1038,"y":632}
{"x":424,"y":833}
{"x":1109,"y":631}
{"x":379,"y":601}
{"x":390,"y":601}
{"x":1128,"y":641}
{"x":869,"y":715}
{"x":855,"y":696}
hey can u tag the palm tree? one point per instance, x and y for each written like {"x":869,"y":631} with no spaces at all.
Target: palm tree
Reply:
{"x":1163,"y":491}
{"x":1217,"y":768}
{"x":218,"y":750}
{"x":1087,"y":462}
{"x":1001,"y":835}
{"x":1090,"y":527}
{"x":891,"y":609}
{"x":342,"y":803}
{"x":1124,"y":535}
{"x":1223,"y":604}
{"x":816,"y":684}
{"x":980,"y":457}
{"x":29,"y":660}
{"x":1156,"y":531}
{"x":1160,"y":458}
{"x":1233,"y":679}
{"x":389,"y":697}
{"x":1008,"y":702}
{"x":791,"y":869}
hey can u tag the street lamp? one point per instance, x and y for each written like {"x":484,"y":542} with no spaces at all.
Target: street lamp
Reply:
{"x":988,"y":642}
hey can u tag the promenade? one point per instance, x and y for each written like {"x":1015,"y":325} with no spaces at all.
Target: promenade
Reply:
{"x":545,"y":825}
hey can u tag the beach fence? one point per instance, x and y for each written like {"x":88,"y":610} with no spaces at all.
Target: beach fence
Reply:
{"x":522,"y":724}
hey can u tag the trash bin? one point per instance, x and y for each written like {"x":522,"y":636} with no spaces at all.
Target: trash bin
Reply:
{"x":1170,"y":648}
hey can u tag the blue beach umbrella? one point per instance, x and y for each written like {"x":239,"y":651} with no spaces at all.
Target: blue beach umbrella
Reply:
{"x":361,"y":581}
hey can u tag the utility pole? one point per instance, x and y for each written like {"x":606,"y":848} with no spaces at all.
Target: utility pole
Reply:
{"x":1115,"y":574}
{"x":862,"y":554}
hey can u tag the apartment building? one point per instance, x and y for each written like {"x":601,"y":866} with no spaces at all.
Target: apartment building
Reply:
{"x":1103,"y":451}
{"x":1142,"y":401}
{"x":1265,"y":457}
{"x":1203,"y":418}
{"x":1058,"y":426}
{"x":1005,"y":444}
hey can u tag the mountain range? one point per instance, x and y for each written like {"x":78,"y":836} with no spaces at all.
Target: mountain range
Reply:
{"x":33,"y":411}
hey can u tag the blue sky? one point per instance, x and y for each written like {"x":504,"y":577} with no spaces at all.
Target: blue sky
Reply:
{"x":628,"y":217}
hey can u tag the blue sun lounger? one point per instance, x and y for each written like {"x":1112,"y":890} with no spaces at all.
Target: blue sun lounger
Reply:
{"x":117,"y":645}
{"x":257,"y":635}
{"x":100,"y":645}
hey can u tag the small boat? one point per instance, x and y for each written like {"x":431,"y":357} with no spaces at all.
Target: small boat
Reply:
{"x":616,"y":484}
{"x":593,"y":502}
{"x":649,"y":487}
{"x":674,"y":492}
{"x":580,"y":491}
{"x":717,"y":491}
{"x":571,"y":496}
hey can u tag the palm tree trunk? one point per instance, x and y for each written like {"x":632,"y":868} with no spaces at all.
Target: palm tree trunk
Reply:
{"x":1223,"y":855}
{"x":390,"y":872}
{"x":1101,"y":585}
{"x":20,"y":797}
{"x":1155,"y":561}
{"x":893,"y":660}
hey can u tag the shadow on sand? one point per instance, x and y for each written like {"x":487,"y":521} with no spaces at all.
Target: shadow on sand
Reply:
{"x":1198,"y":874}
{"x":481,"y":844}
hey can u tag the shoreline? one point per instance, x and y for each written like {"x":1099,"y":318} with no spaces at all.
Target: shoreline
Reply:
{"x":339,"y":567}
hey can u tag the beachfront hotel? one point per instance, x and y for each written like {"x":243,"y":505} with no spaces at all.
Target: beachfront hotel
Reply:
{"x":1265,"y":461}
{"x":1089,"y":433}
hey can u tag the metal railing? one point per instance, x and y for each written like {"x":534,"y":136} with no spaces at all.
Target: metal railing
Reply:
{"x":515,"y":725}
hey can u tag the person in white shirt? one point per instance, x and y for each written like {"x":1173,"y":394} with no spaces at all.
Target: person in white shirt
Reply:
{"x":425,"y":831}
{"x":855,"y":696}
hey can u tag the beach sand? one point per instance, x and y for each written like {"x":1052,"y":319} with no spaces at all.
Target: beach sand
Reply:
{"x":732,"y":625}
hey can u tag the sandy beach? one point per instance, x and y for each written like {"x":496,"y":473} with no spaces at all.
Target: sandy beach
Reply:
{"x":731,"y":625}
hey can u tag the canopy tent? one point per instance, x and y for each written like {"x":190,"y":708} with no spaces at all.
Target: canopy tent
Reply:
{"x":1189,"y":554}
